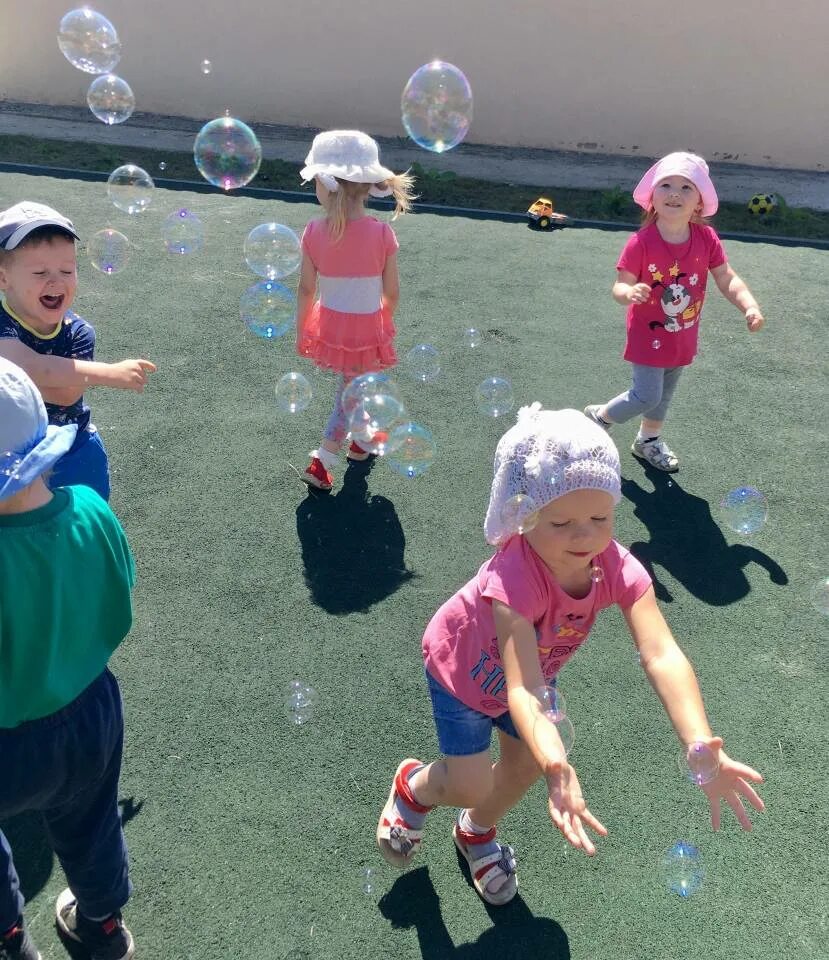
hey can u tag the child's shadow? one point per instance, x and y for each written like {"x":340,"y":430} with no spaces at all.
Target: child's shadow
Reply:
{"x":688,"y":543}
{"x":515,"y":933}
{"x":31,"y":850}
{"x":352,"y":545}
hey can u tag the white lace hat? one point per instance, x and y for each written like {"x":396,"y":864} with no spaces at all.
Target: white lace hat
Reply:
{"x":547,"y":454}
{"x":350,"y":155}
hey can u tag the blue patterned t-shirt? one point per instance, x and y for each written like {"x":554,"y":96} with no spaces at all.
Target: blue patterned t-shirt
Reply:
{"x":73,"y":338}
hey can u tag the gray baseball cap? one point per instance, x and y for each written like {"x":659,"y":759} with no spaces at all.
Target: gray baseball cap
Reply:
{"x":18,"y":221}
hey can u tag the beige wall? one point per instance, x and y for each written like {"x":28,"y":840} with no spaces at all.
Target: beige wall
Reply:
{"x":732,"y":79}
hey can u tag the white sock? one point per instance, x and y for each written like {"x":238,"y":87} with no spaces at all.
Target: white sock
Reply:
{"x":465,"y":822}
{"x":646,"y":437}
{"x":328,"y":459}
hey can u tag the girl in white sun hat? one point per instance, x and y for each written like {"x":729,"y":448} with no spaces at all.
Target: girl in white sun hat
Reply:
{"x":353,"y":257}
{"x":662,"y":274}
{"x":493,"y":652}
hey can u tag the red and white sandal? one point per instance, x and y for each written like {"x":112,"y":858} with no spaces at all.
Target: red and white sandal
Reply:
{"x":399,"y":841}
{"x":485,"y":869}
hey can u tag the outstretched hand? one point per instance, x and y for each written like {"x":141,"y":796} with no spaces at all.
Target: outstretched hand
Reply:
{"x":568,"y":810}
{"x":732,"y":784}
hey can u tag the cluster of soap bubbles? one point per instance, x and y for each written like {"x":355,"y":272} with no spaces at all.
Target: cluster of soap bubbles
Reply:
{"x":300,"y":702}
{"x":90,"y":43}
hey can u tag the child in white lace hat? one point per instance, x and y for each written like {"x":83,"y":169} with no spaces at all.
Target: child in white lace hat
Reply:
{"x":493,"y":652}
{"x":353,"y":257}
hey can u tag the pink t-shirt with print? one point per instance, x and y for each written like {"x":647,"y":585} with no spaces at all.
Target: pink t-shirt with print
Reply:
{"x":460,"y":646}
{"x":663,"y":332}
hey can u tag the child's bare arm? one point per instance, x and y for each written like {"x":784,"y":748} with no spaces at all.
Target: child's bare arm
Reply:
{"x":736,"y":291}
{"x":391,"y":284}
{"x":65,"y":373}
{"x":306,"y":291}
{"x":627,"y":290}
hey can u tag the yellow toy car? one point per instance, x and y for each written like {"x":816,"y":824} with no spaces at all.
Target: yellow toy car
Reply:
{"x":542,"y":216}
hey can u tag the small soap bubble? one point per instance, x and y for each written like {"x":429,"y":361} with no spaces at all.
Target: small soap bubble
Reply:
{"x":110,"y":99}
{"x":206,"y":67}
{"x":412,"y":450}
{"x":373,"y":421}
{"x":494,"y":397}
{"x":162,"y":166}
{"x":108,"y":251}
{"x":182,"y":232}
{"x":368,"y":880}
{"x":682,"y":869}
{"x":130,"y":188}
{"x":436,"y":106}
{"x":596,"y":573}
{"x":472,"y":337}
{"x":549,"y":699}
{"x":744,"y":510}
{"x":519,"y":514}
{"x":268,"y":309}
{"x":272,"y":251}
{"x":422,"y":363}
{"x":300,"y":702}
{"x":819,"y":595}
{"x":293,"y":393}
{"x":699,"y":763}
{"x":89,"y":41}
{"x":656,"y":344}
{"x":227,"y":153}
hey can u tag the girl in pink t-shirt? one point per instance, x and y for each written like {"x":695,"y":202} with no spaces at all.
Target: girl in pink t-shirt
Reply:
{"x":353,"y":258}
{"x":662,"y":274}
{"x":493,"y":652}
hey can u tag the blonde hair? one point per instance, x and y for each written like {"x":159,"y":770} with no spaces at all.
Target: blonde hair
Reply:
{"x":401,"y":186}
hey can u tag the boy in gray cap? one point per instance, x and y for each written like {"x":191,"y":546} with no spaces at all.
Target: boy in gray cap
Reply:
{"x":40,"y":333}
{"x":66,"y":574}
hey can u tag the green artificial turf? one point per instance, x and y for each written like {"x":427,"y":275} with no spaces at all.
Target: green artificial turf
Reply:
{"x":248,"y":836}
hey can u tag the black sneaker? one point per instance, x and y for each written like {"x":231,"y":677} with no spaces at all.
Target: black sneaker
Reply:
{"x":103,"y":939}
{"x":16,"y":944}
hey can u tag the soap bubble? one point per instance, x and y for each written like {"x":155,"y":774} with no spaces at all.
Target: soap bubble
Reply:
{"x":548,"y":707}
{"x":300,"y":701}
{"x":596,"y":573}
{"x":89,"y":41}
{"x":436,"y":106}
{"x":494,"y":397}
{"x":268,"y":309}
{"x":472,"y":337}
{"x":108,"y":251}
{"x":293,"y":393}
{"x":130,"y":188}
{"x":227,"y":153}
{"x":162,"y":166}
{"x":699,"y":763}
{"x":373,"y":421}
{"x":819,"y":595}
{"x":363,"y":385}
{"x":110,"y":99}
{"x":683,"y":869}
{"x":422,"y":363}
{"x":656,"y":344}
{"x":519,"y":513}
{"x":368,"y":881}
{"x":182,"y":232}
{"x":206,"y":67}
{"x":412,"y":449}
{"x":744,"y":510}
{"x":272,"y":251}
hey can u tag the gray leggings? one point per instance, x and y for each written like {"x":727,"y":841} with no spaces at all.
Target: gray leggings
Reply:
{"x":649,"y":396}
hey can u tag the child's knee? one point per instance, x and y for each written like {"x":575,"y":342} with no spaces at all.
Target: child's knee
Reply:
{"x":471,"y":783}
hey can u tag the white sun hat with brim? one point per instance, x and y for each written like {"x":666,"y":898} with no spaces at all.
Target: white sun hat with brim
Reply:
{"x":29,"y":444}
{"x":547,"y":454}
{"x":348,"y":155}
{"x":681,"y":164}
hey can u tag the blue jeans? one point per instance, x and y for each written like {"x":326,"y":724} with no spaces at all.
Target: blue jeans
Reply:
{"x":463,"y":731}
{"x":86,"y":463}
{"x":67,"y":765}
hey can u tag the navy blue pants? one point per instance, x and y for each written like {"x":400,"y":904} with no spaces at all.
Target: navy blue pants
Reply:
{"x":67,"y":766}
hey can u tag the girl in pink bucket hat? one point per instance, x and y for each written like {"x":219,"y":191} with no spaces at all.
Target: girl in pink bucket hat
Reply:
{"x":662,"y":275}
{"x":352,"y":257}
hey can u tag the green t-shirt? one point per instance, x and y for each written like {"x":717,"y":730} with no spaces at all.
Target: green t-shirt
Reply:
{"x":66,"y":572}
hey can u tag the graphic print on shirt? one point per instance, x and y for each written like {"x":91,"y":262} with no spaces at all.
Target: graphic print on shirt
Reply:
{"x":676,"y":299}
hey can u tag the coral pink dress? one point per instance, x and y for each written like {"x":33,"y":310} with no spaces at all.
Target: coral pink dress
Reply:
{"x":348,"y":330}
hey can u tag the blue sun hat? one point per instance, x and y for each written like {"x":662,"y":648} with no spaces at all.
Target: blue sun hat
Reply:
{"x":29,"y":444}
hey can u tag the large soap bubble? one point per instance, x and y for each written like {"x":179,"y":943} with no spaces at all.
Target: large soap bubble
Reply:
{"x":268,"y":309}
{"x":227,"y":153}
{"x":436,"y":106}
{"x":108,"y":251}
{"x":111,"y":99}
{"x":182,"y":232}
{"x":272,"y":251}
{"x":130,"y":188}
{"x":89,"y":41}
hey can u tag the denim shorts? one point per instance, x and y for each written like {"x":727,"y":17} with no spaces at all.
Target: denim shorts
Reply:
{"x":463,"y":731}
{"x":86,"y":463}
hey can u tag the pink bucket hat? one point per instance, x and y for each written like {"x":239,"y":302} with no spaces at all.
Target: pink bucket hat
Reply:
{"x":687,"y":165}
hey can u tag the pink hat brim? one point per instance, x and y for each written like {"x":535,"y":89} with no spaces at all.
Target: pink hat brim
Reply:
{"x":686,"y":165}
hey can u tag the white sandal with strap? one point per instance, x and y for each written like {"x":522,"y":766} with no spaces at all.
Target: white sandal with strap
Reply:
{"x":397,"y":840}
{"x":485,"y":869}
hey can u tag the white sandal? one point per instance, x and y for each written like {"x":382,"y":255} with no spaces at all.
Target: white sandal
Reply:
{"x":484,"y":870}
{"x":397,"y":840}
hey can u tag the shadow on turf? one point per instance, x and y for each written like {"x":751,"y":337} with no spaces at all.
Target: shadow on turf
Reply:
{"x":353,"y":545}
{"x":515,"y":932}
{"x":32,"y":853}
{"x":688,"y":543}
